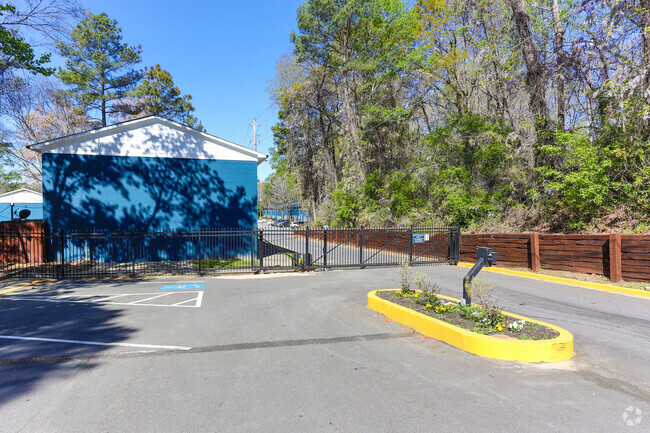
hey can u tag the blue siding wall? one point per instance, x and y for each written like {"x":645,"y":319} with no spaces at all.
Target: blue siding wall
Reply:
{"x":36,"y":208}
{"x":112,"y":193}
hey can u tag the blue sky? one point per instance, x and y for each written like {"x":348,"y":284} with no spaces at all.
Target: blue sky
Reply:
{"x":220,"y":52}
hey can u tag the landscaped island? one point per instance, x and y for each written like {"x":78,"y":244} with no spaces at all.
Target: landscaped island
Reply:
{"x":481,"y":328}
{"x":475,"y":318}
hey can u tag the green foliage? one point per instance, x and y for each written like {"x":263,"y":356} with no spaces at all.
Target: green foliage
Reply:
{"x":347,"y":206}
{"x":475,"y":175}
{"x":581,"y":181}
{"x":591,"y":176}
{"x":222,"y":263}
{"x":99,"y":66}
{"x":9,"y":180}
{"x":405,"y":277}
{"x":398,"y":191}
{"x":18,"y":54}
{"x":482,"y":293}
{"x":425,"y":284}
{"x":157,"y":95}
{"x":391,"y":114}
{"x":428,"y":291}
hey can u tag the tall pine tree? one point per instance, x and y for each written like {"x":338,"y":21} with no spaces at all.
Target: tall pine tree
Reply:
{"x":158,"y":95}
{"x":99,"y":67}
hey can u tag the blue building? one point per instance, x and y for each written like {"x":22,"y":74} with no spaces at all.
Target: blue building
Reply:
{"x":13,"y":202}
{"x":145,"y":175}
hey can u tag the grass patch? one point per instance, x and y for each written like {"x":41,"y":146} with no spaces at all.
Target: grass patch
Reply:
{"x":223,"y":263}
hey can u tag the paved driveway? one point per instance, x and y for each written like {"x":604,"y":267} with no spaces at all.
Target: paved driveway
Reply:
{"x":302,"y":353}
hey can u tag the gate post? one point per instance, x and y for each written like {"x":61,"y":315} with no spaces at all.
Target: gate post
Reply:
{"x":199,"y":237}
{"x":62,"y":254}
{"x":133,"y":252}
{"x":325,"y":248}
{"x":534,"y":252}
{"x":411,"y":246}
{"x":260,"y":249}
{"x":361,"y":247}
{"x":253,"y":236}
{"x":306,"y":259}
{"x":457,"y":246}
{"x":615,"y":273}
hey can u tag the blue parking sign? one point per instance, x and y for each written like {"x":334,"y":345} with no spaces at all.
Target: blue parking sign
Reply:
{"x":420,"y":238}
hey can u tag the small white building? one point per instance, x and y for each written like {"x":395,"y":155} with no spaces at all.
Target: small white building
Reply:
{"x":12,"y":202}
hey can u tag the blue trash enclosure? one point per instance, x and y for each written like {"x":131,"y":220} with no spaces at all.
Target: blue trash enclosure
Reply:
{"x":151,"y":184}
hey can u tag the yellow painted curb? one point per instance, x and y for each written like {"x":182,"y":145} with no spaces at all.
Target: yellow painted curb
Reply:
{"x":556,"y":349}
{"x":586,"y":284}
{"x":22,"y":285}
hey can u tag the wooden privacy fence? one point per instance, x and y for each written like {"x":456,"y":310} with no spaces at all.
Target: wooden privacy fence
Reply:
{"x":22,"y":242}
{"x":618,"y":257}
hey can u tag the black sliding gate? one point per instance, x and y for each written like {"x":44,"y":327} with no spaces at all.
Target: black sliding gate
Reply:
{"x":221,"y":251}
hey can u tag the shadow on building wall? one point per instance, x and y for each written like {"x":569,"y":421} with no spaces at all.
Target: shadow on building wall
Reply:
{"x":116,"y":194}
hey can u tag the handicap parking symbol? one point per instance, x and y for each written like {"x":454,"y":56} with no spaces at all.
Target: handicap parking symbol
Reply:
{"x":182,"y":287}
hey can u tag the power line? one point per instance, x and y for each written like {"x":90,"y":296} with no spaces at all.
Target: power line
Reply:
{"x":265,"y":110}
{"x":248,"y":131}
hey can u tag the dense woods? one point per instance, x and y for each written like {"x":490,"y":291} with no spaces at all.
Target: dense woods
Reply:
{"x":492,"y":114}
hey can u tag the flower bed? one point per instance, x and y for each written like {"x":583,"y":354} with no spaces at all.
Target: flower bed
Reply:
{"x":496,"y":345}
{"x":474,"y":318}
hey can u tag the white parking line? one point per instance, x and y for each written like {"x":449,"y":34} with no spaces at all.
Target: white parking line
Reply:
{"x":185,"y":302}
{"x":148,"y":299}
{"x":106,"y":299}
{"x":94,"y":343}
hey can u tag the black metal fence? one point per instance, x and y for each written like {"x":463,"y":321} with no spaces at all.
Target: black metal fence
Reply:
{"x":221,"y":251}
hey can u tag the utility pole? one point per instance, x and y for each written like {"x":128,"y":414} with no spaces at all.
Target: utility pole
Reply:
{"x":254,"y":125}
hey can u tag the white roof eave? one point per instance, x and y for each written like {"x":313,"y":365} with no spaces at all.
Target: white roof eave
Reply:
{"x":53,"y":144}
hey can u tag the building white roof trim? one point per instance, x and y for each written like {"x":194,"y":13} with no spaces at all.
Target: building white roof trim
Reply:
{"x":152,"y":137}
{"x":22,"y":195}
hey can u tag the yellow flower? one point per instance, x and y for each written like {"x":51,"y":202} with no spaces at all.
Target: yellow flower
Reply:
{"x":428,"y":306}
{"x":499,"y":327}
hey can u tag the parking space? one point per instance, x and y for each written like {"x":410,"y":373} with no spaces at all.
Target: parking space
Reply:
{"x":190,"y":299}
{"x":301,"y":352}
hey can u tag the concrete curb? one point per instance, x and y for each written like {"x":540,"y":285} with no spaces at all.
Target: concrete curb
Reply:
{"x":22,"y":285}
{"x":585,"y":284}
{"x":557,"y":349}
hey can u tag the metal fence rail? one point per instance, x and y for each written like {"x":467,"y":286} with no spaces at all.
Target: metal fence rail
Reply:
{"x":221,"y":251}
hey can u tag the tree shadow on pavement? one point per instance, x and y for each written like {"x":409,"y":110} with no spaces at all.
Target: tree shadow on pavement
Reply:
{"x":24,"y":364}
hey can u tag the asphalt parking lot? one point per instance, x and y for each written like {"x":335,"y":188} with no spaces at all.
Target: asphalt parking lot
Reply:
{"x":302,"y":353}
